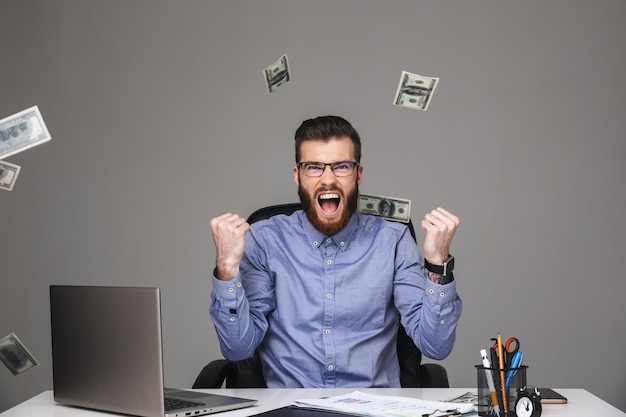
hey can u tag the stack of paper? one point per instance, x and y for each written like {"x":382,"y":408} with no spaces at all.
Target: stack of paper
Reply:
{"x":364,"y":404}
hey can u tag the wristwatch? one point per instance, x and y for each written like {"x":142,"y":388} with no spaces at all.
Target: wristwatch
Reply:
{"x":443,"y":270}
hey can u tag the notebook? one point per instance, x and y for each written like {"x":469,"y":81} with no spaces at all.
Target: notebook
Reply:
{"x":107,"y":354}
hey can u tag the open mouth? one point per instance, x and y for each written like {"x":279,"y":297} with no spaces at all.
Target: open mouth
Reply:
{"x":329,"y":203}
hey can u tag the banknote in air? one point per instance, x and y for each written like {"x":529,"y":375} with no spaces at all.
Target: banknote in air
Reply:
{"x":394,"y":209}
{"x":15,"y":355}
{"x":8,"y":175}
{"x":277,"y":74}
{"x":21,"y":131}
{"x":415,"y":91}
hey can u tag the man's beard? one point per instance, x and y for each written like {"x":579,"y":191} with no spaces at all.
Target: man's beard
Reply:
{"x":329,"y":228}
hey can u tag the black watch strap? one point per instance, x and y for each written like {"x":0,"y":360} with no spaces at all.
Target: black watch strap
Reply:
{"x":443,"y":270}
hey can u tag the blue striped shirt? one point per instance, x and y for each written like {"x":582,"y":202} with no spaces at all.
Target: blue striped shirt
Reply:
{"x":324,"y":311}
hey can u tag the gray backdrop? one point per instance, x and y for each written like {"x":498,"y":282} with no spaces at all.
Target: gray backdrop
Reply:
{"x":160,"y":120}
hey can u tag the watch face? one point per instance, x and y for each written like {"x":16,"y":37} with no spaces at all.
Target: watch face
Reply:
{"x":524,"y":407}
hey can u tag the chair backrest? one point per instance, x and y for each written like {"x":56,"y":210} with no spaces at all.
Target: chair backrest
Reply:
{"x":288,"y":208}
{"x":248,"y":373}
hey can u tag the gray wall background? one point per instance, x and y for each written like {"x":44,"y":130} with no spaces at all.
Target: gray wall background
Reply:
{"x":160,"y":120}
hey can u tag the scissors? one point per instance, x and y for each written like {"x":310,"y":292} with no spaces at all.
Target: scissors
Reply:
{"x":511,"y":350}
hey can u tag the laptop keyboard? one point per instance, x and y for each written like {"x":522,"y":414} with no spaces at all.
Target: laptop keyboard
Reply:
{"x":175,"y":404}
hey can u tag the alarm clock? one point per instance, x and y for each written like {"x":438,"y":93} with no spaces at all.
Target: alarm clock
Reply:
{"x":528,"y":404}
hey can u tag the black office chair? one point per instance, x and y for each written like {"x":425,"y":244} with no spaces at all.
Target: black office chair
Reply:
{"x":248,"y":373}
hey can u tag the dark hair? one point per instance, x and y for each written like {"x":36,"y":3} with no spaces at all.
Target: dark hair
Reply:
{"x":326,"y":128}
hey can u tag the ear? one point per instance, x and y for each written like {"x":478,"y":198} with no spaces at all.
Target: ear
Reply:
{"x":359,"y":174}
{"x":296,"y":178}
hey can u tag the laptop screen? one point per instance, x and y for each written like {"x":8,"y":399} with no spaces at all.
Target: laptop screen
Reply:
{"x":106,"y":348}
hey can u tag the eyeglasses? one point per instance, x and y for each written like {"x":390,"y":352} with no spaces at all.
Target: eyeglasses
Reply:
{"x":316,"y":169}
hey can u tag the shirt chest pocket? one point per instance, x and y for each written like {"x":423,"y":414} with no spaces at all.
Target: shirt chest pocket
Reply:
{"x":361,"y":308}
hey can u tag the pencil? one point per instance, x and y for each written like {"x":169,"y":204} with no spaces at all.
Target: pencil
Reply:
{"x":505,"y":403}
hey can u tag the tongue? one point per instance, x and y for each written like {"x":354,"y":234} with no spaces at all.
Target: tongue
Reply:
{"x":329,"y":206}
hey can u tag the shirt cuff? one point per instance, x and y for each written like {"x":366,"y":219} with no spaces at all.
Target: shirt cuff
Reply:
{"x":226,"y":289}
{"x":440,"y":293}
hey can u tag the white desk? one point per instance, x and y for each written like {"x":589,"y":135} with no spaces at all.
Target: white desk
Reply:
{"x":581,"y":403}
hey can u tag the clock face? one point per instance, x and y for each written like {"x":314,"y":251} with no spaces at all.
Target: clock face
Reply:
{"x":524,"y":407}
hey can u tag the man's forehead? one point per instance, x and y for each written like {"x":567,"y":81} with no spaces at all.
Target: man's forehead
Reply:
{"x":341,"y":144}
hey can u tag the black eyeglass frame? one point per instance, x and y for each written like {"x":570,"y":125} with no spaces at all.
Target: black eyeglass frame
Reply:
{"x":332,"y":165}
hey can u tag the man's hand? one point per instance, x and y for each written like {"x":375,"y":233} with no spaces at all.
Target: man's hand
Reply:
{"x":229,"y":236}
{"x":439,"y":226}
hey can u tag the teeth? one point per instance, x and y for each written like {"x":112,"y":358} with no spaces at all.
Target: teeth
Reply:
{"x":328,"y":196}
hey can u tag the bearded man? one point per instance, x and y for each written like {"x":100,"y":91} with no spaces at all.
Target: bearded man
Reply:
{"x":321,"y":293}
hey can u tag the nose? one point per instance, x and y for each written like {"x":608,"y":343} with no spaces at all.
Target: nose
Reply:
{"x":328,"y":176}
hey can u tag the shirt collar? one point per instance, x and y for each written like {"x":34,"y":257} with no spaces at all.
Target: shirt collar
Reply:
{"x":341,"y":238}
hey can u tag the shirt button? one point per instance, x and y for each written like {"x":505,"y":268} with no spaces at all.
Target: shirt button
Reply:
{"x":239,"y":285}
{"x":442,"y":322}
{"x":342,"y":244}
{"x":231,"y":289}
{"x":315,"y":243}
{"x":328,"y":240}
{"x":442,"y":294}
{"x":431,"y":291}
{"x":232,"y":319}
{"x":327,"y":331}
{"x":330,"y":367}
{"x":329,"y":296}
{"x":329,"y":262}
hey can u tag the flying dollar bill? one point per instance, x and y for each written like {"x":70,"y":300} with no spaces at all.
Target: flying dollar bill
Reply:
{"x":277,"y":74}
{"x":415,"y":91}
{"x":8,"y":175}
{"x":21,"y":131}
{"x":15,"y":355}
{"x":395,"y":209}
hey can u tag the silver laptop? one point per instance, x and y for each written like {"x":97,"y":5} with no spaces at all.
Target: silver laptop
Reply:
{"x":107,"y":354}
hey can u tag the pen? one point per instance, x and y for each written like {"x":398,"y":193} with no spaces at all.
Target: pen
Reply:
{"x":490,"y":384}
{"x":505,"y":404}
{"x":515,"y":363}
